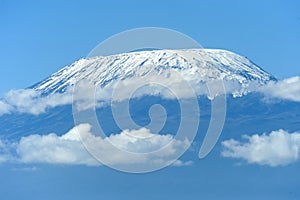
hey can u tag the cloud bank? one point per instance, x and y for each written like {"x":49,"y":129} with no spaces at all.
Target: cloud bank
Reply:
{"x":278,"y":148}
{"x":33,"y":102}
{"x":68,"y":148}
{"x":288,"y":89}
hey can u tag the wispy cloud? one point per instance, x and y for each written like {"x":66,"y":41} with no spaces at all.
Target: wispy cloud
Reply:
{"x":180,"y":163}
{"x":68,"y":148}
{"x":278,"y":148}
{"x":6,"y":152}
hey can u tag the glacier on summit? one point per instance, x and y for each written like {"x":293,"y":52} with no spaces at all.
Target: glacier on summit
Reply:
{"x":197,"y":66}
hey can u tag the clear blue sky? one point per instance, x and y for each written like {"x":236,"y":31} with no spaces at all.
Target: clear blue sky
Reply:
{"x":39,"y":37}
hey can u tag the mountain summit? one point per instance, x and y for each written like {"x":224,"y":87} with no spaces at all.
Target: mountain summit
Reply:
{"x":200,"y":65}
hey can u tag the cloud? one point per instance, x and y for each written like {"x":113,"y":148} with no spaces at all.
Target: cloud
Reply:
{"x":32,"y":101}
{"x":173,"y":86}
{"x":180,"y":163}
{"x":68,"y":148}
{"x":288,"y":89}
{"x":5,"y":152}
{"x":278,"y":148}
{"x":140,"y":141}
{"x":25,"y":169}
{"x":5,"y":108}
{"x":65,"y":149}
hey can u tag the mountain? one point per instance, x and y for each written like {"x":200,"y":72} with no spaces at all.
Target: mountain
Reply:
{"x":195,"y":65}
{"x":201,"y":65}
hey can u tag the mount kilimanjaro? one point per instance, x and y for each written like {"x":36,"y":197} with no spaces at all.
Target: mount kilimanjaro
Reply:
{"x":195,"y":65}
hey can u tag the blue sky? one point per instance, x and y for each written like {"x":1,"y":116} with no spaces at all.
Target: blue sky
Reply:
{"x":38,"y":37}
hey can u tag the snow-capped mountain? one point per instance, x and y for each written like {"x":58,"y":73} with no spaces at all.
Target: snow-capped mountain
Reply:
{"x":193,"y":64}
{"x":54,"y":114}
{"x":45,"y":112}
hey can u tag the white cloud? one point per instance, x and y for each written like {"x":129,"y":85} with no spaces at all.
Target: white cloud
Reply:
{"x":140,"y":141}
{"x":279,"y":148}
{"x":31,"y":101}
{"x":288,"y":89}
{"x":65,"y":149}
{"x":68,"y":148}
{"x":5,"y":108}
{"x":170,"y":85}
{"x":180,"y":163}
